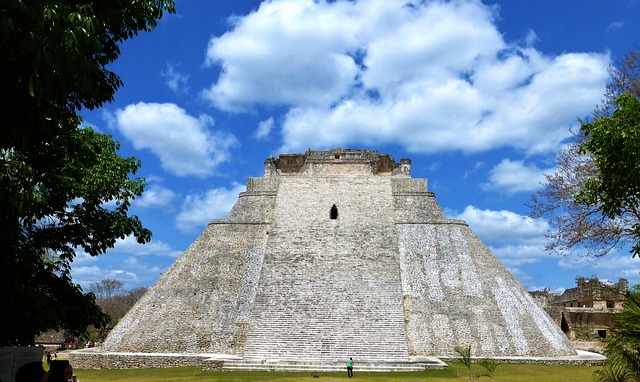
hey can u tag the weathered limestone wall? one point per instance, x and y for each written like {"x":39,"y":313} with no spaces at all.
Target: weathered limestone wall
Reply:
{"x":201,"y":303}
{"x":413,"y":204}
{"x":458,"y":293}
{"x":256,"y":204}
{"x":92,"y":360}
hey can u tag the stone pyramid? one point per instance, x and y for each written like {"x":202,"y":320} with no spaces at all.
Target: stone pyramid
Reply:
{"x":336,"y":254}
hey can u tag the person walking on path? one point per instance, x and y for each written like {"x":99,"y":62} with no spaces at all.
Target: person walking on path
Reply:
{"x":350,"y":367}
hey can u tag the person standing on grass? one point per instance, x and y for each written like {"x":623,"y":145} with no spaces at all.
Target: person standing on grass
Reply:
{"x":350,"y":367}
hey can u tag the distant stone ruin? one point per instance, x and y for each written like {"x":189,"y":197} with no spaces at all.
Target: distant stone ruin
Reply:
{"x":330,"y":255}
{"x":585,"y":312}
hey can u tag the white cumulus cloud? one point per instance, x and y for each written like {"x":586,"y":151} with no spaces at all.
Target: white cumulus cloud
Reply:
{"x":186,"y":145}
{"x":176,"y":81}
{"x":280,"y":54}
{"x":198,"y":209}
{"x":430,"y":76}
{"x":130,"y":262}
{"x":514,"y":176}
{"x":264,"y":129}
{"x":130,"y":246}
{"x":504,"y":226}
{"x":611,"y":267}
{"x":155,"y":195}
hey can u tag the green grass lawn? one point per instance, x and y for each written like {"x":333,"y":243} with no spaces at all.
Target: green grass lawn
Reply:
{"x":456,"y":372}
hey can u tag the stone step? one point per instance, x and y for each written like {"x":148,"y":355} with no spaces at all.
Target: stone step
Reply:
{"x":318,"y":366}
{"x":327,"y":351}
{"x":293,"y":352}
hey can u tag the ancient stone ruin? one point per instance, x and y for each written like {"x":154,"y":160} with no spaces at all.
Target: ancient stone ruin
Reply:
{"x":587,"y":311}
{"x":330,"y":255}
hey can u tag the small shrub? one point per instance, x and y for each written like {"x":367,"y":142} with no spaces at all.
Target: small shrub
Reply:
{"x":465,"y":357}
{"x":489,"y":367}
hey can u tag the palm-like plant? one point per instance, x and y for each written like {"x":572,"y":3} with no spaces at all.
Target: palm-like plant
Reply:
{"x":465,"y":357}
{"x":613,"y":372}
{"x":623,"y":347}
{"x":490,"y":367}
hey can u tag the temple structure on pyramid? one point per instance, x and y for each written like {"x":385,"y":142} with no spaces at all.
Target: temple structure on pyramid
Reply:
{"x":330,"y":255}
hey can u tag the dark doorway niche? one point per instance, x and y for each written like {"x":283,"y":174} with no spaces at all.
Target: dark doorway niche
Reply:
{"x":333,"y":214}
{"x":564,"y":325}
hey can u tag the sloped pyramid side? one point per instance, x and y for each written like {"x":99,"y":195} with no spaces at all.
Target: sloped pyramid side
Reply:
{"x":201,"y":303}
{"x":458,"y":293}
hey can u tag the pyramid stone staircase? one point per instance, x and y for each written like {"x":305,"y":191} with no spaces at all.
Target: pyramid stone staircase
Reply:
{"x":330,"y":288}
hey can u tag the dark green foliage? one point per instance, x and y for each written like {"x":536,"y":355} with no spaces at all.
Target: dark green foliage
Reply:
{"x":612,"y":373}
{"x":63,"y":187}
{"x":60,"y":207}
{"x":490,"y":367}
{"x":55,"y":56}
{"x":614,"y":143}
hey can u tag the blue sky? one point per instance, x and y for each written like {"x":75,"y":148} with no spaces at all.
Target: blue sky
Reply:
{"x":480,"y":95}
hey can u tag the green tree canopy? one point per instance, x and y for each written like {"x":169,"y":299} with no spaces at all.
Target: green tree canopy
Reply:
{"x":54,"y":60}
{"x":614,"y":143}
{"x":64,"y":187}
